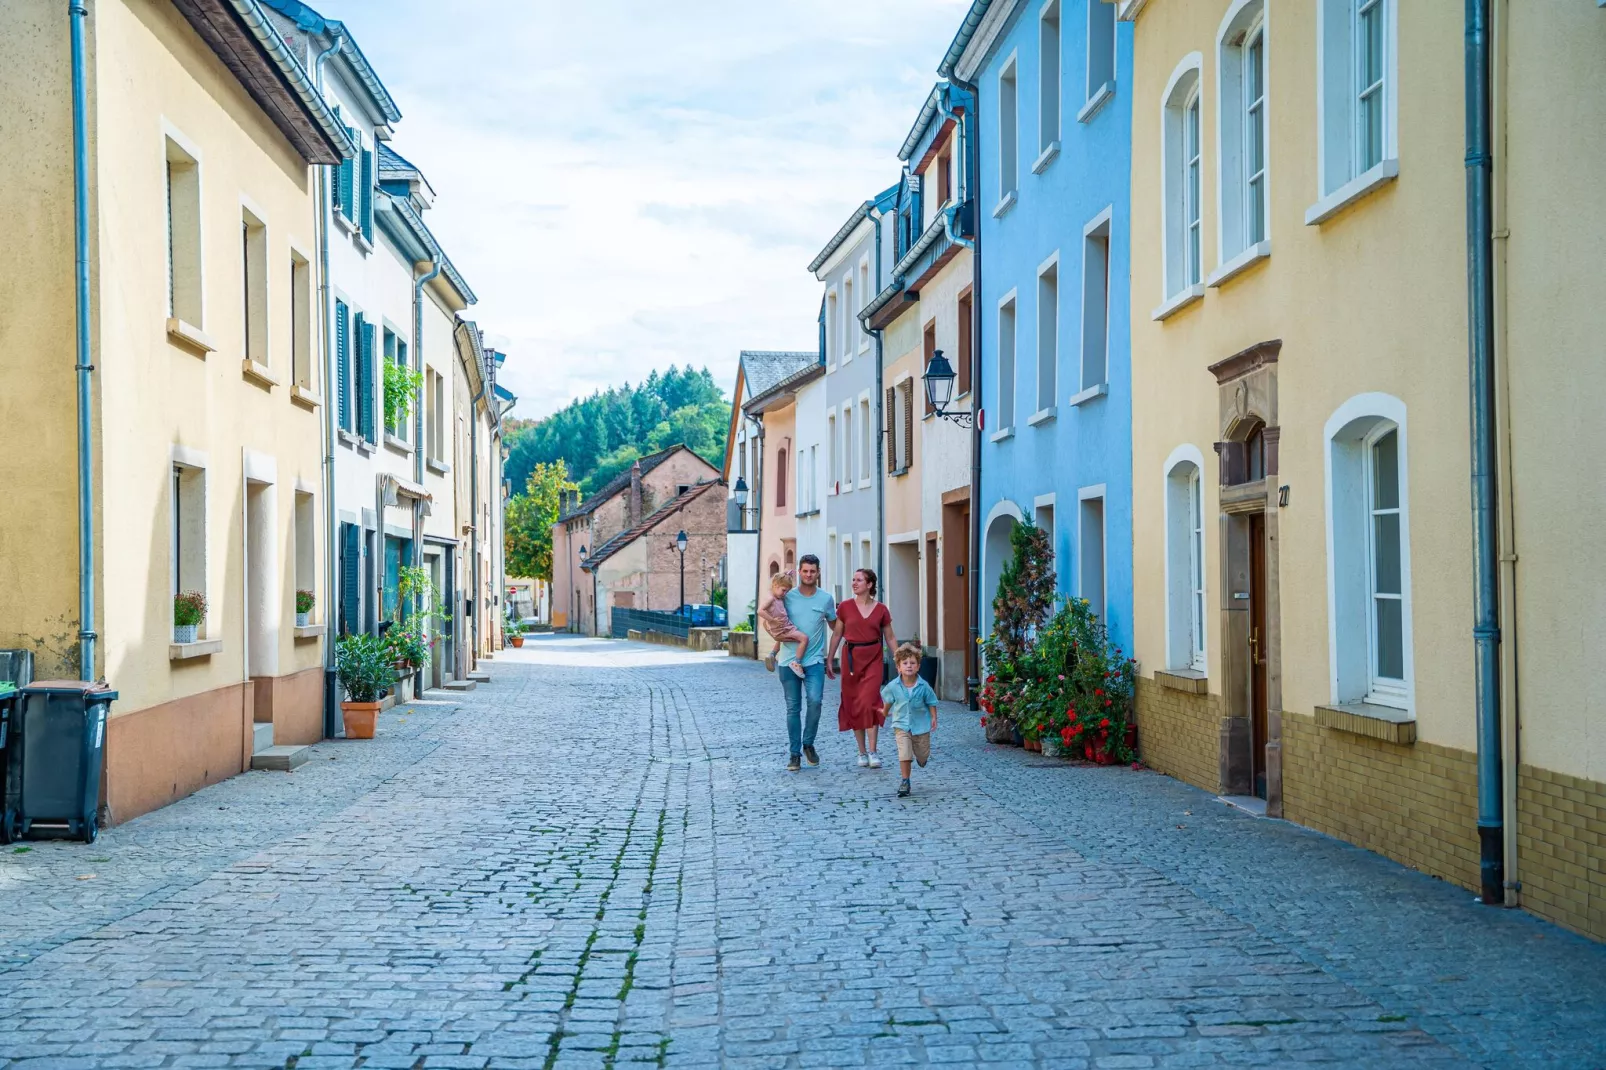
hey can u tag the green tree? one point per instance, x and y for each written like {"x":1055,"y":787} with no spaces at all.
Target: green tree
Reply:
{"x":530,"y":516}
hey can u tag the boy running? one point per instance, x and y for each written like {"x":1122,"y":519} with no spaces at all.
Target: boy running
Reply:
{"x":910,"y":706}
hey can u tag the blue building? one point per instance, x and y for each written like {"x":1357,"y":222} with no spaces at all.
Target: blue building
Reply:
{"x":1054,"y":90}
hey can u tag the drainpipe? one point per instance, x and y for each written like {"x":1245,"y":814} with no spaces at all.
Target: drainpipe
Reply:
{"x":881,"y":439}
{"x":972,"y":134}
{"x":77,"y":13}
{"x":418,"y":425}
{"x":758,"y":527}
{"x":958,"y":120}
{"x":331,"y":612}
{"x":1485,"y":459}
{"x":1509,"y":756}
{"x":474,"y":511}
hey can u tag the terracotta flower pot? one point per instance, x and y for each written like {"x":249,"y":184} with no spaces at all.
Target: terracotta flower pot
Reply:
{"x":517,"y":641}
{"x":360,"y":718}
{"x":1033,"y":745}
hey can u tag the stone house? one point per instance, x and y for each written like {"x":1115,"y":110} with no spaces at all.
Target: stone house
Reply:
{"x":640,"y":567}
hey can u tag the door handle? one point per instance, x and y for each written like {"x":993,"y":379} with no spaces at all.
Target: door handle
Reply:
{"x":1254,"y":647}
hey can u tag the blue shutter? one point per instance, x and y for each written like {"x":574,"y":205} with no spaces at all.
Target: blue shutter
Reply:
{"x":365,"y":379}
{"x":350,"y":577}
{"x":368,"y":194}
{"x":343,"y":188}
{"x":343,"y":362}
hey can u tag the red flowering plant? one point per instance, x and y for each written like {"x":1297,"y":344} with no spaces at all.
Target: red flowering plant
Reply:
{"x":1079,"y":686}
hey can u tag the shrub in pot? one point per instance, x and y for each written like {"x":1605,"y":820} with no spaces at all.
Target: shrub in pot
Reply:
{"x":1024,"y":599}
{"x":515,"y":633}
{"x":408,"y":644}
{"x":365,"y":668}
{"x":305,"y":600}
{"x":189,"y":610}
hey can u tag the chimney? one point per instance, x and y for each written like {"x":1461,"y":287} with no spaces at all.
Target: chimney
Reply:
{"x":635,"y":494}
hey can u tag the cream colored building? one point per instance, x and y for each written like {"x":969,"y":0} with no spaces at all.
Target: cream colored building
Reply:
{"x":203,"y":137}
{"x":1302,"y":511}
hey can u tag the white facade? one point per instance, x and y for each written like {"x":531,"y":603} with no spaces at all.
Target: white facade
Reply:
{"x":810,"y":472}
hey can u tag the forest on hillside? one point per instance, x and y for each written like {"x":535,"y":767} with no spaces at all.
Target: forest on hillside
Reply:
{"x":598,"y":437}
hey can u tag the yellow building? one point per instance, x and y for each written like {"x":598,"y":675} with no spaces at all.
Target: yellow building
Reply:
{"x":202,"y":136}
{"x":1302,"y":511}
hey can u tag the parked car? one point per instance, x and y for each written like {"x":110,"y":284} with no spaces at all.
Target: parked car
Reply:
{"x":704,"y":615}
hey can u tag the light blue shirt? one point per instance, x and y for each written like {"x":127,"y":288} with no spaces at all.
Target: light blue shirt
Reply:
{"x":810,"y":613}
{"x":909,"y":708}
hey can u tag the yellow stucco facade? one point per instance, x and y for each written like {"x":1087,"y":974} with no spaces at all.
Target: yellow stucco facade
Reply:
{"x":207,"y":470}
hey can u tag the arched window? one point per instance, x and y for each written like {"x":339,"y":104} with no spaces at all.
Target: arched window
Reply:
{"x":1183,"y":162}
{"x":1241,"y":126}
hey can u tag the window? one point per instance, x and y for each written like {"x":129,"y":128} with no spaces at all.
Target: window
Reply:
{"x":1100,"y":49}
{"x":436,"y":435}
{"x":367,"y":373}
{"x":830,"y":329}
{"x":1006,"y":364}
{"x":1369,"y":557}
{"x":929,"y":352}
{"x":848,"y":466}
{"x":1241,"y":120}
{"x":306,"y":543}
{"x":300,"y":322}
{"x":1096,"y":302}
{"x":1048,"y":77}
{"x":1043,"y":517}
{"x":1356,"y":39}
{"x":1048,"y":330}
{"x":1184,"y":565}
{"x":944,"y":170}
{"x":365,"y":220}
{"x":1008,"y":148}
{"x":963,"y":354}
{"x":890,"y":408}
{"x":254,"y":299}
{"x":1182,"y":181}
{"x":814,"y":468}
{"x":849,"y":320}
{"x":866,"y":294}
{"x":395,"y":352}
{"x":343,"y":376}
{"x":833,"y":451}
{"x":867,"y":443}
{"x":183,"y":236}
{"x":188,"y":548}
{"x":1090,"y":551}
{"x":344,"y":179}
{"x":781,"y":472}
{"x":802,"y":482}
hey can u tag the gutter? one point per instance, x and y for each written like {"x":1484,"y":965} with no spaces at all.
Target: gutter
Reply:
{"x":977,"y":414}
{"x":331,"y":691}
{"x":77,"y":13}
{"x":962,"y":124}
{"x":1485,"y":454}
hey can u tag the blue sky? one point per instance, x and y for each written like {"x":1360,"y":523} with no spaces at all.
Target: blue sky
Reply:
{"x":629,"y":184}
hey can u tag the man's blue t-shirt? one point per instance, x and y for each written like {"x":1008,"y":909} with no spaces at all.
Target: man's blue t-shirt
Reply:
{"x":810,"y":614}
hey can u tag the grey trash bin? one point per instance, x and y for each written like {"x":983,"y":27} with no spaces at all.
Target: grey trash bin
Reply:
{"x":53,"y":760}
{"x":16,"y":672}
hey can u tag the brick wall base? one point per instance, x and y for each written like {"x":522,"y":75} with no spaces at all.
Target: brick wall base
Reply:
{"x":1561,"y":848}
{"x":1180,"y":734}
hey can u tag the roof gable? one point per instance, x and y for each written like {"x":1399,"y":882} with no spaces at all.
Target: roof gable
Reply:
{"x":658,"y":516}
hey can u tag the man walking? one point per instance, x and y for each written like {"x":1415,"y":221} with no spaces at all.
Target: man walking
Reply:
{"x":811,"y":610}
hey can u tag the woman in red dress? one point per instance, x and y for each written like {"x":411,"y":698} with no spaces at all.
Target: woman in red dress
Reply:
{"x":863,"y":631}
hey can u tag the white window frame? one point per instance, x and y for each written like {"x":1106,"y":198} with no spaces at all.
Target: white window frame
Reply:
{"x":1181,"y":282}
{"x":179,"y":149}
{"x":866,"y":295}
{"x":1186,"y":576}
{"x":1084,"y":495}
{"x":1050,"y":81}
{"x":189,"y":534}
{"x":1044,"y":505}
{"x":1101,"y":89}
{"x":833,"y":450}
{"x":867,"y":429}
{"x":1008,"y":133}
{"x":849,"y":449}
{"x":1008,"y":366}
{"x":1342,"y":175}
{"x":1046,"y":364}
{"x":1237,"y":233}
{"x":302,"y":373}
{"x":845,"y":314}
{"x":1349,"y":435}
{"x":1095,"y":347}
{"x":832,"y":313}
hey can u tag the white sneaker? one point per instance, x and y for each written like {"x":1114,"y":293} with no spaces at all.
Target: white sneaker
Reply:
{"x":863,"y":760}
{"x":875,"y":761}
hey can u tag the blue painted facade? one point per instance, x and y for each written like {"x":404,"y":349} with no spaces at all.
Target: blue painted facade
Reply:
{"x":1061,"y":450}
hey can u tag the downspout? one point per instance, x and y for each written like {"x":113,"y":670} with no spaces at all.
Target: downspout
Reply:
{"x":977,"y":416}
{"x":418,"y":427}
{"x":77,"y":12}
{"x":331,"y":613}
{"x":1485,"y":459}
{"x":474,"y":511}
{"x":880,"y":439}
{"x":1510,"y":757}
{"x":758,"y":528}
{"x":959,"y":121}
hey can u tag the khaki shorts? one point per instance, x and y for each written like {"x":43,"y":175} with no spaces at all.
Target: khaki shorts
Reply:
{"x":913,"y":748}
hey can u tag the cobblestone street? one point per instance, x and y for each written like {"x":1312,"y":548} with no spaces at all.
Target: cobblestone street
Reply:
{"x":598,"y":859}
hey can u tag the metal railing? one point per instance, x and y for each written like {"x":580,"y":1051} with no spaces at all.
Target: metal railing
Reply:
{"x":624,"y":620}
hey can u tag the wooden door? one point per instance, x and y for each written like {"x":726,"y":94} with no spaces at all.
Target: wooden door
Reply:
{"x":1257,"y":651}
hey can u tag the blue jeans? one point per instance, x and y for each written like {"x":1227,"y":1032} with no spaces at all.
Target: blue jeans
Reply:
{"x":800,"y":733}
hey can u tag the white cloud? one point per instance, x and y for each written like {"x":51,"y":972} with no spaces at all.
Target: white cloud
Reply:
{"x":628,"y":184}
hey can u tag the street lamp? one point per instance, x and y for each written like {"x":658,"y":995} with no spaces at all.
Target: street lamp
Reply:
{"x":939,"y":381}
{"x":680,"y":544}
{"x":741,"y":500}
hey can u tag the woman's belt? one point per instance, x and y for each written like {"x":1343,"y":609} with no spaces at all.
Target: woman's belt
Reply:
{"x":848,"y":649}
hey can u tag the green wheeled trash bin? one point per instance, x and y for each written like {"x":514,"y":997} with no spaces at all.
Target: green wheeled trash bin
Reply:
{"x":53,"y":760}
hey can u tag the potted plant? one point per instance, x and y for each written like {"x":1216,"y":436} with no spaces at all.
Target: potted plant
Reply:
{"x":305,"y":600}
{"x":407,"y":644}
{"x":189,"y":610}
{"x":363,"y":664}
{"x":515,"y":633}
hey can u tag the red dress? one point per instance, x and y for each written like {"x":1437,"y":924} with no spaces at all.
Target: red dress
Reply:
{"x":861,"y":654}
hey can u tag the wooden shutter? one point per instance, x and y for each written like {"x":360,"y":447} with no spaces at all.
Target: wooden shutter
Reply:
{"x":892,"y":429}
{"x":368,"y":194}
{"x":350,"y":577}
{"x":365,"y":378}
{"x":343,"y":363}
{"x":964,"y":348}
{"x":909,"y":422}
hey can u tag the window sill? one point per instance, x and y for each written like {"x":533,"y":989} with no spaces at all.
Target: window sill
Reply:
{"x":1352,"y":191}
{"x":899,"y":471}
{"x":346,"y":225}
{"x":302,"y":396}
{"x":1001,"y":434}
{"x":1096,"y":102}
{"x":1098,"y":390}
{"x":258,"y":374}
{"x":440,"y":468}
{"x":399,"y":445}
{"x":1241,"y":263}
{"x":347,"y":438}
{"x":1042,"y":416}
{"x":190,"y":336}
{"x":364,"y":246}
{"x":866,"y":484}
{"x":1177,"y":302}
{"x":366,"y":448}
{"x":201,"y":648}
{"x":808,"y":513}
{"x":1366,"y":719}
{"x":1005,"y":205}
{"x":1046,"y":158}
{"x":310,"y":631}
{"x":1188,"y":681}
